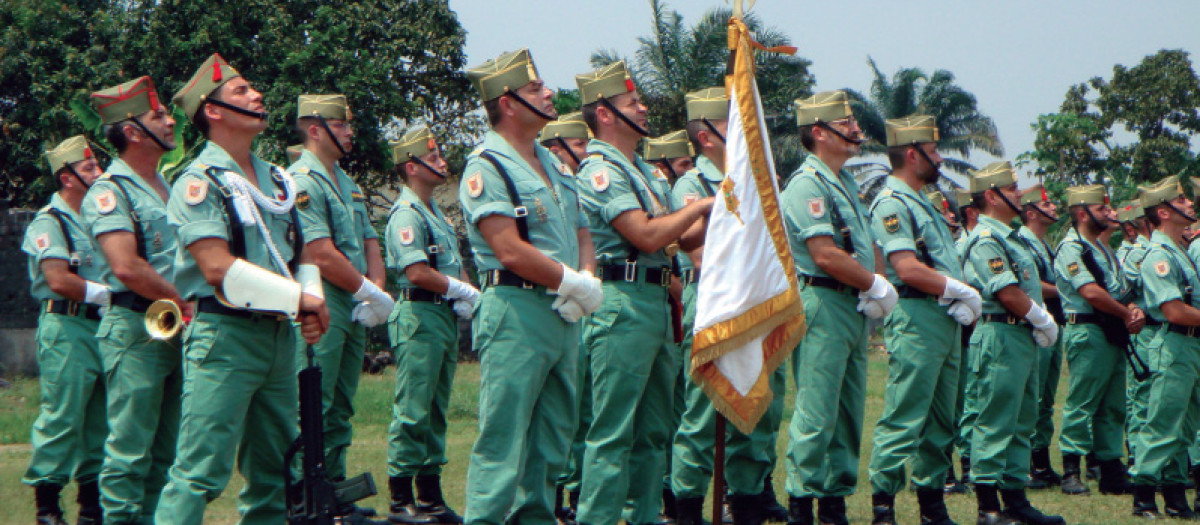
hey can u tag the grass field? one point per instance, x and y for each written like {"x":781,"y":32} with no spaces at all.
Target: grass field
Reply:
{"x":18,"y":409}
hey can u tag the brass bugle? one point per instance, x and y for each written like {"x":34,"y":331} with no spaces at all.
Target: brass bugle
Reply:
{"x":163,"y":319}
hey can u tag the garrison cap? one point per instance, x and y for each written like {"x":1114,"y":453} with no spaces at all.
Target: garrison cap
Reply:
{"x":608,"y":81}
{"x":709,"y":103}
{"x":126,"y":101}
{"x":294,"y":152}
{"x":1087,"y":195}
{"x":68,"y":152}
{"x":670,"y":146}
{"x":962,"y":198}
{"x":826,"y":106}
{"x":937,"y":199}
{"x":913,"y":129}
{"x":415,"y":143}
{"x":994,"y":175}
{"x":211,"y":75}
{"x":507,"y":72}
{"x":1165,"y":190}
{"x":569,"y":126}
{"x":333,"y":107}
{"x":1034,"y":194}
{"x":1130,"y":211}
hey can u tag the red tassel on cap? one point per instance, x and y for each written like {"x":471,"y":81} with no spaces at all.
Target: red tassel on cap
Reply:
{"x":1044,"y":197}
{"x":216,"y":71}
{"x":87,"y":152}
{"x":629,"y":85}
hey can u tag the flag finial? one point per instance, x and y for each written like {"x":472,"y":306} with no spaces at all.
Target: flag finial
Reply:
{"x":740,"y":7}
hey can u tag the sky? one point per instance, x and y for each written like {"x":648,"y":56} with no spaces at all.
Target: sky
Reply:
{"x":1017,"y":56}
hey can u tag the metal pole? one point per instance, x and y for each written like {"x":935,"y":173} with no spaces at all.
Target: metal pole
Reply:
{"x":719,"y":470}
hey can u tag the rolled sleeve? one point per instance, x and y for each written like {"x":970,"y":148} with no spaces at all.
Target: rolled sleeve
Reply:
{"x":405,"y":255}
{"x":116,"y":219}
{"x":1072,"y":254}
{"x":314,"y":220}
{"x":493,"y":198}
{"x":1159,"y":289}
{"x":897,"y":240}
{"x":803,"y":195}
{"x":56,"y":247}
{"x":203,"y":220}
{"x":991,"y":281}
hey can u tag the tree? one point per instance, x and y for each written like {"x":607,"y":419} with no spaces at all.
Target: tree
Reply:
{"x":675,"y":60}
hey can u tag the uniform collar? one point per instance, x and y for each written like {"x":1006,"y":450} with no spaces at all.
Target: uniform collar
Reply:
{"x":612,"y":154}
{"x":310,"y":160}
{"x":901,"y":187}
{"x":408,"y":196}
{"x":496,"y":143}
{"x":60,"y":204}
{"x":989,"y":223}
{"x":119,"y":168}
{"x":708,"y":170}
{"x":214,"y":155}
{"x":1161,"y":238}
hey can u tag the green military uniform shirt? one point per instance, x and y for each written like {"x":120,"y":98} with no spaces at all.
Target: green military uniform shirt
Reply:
{"x":811,"y":196}
{"x":332,"y":207}
{"x":697,"y":183}
{"x":108,"y":208}
{"x":996,"y":258}
{"x":1071,"y":273}
{"x":197,"y":211}
{"x":608,"y":183}
{"x":44,"y":240}
{"x":1167,"y":274}
{"x":553,"y":212}
{"x":897,"y":208}
{"x":1123,"y":249}
{"x":1131,"y":265}
{"x":409,"y":227}
{"x":1041,"y":252}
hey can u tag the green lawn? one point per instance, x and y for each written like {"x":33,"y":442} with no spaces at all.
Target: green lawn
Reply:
{"x":19,"y":403}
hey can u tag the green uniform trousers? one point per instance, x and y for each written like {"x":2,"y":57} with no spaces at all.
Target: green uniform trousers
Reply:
{"x":1137,"y":393}
{"x":829,"y":367}
{"x":68,"y":436}
{"x":634,"y":365}
{"x":424,"y":338}
{"x":239,"y":393}
{"x":1049,"y":368}
{"x":527,"y":374}
{"x":145,"y":380}
{"x":1174,"y":410}
{"x":966,"y":395}
{"x":573,"y":474}
{"x":1004,"y":364}
{"x":918,"y":421}
{"x":339,"y":353}
{"x":1094,"y":410}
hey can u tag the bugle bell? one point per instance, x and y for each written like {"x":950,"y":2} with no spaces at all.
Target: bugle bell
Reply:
{"x":163,"y":319}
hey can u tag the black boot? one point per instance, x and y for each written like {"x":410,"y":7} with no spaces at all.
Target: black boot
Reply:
{"x":1175,"y":504}
{"x":832,"y":511}
{"x":726,"y":510}
{"x":1071,"y":482}
{"x":933,"y":507}
{"x":800,"y":511}
{"x":1018,"y":508}
{"x":772,"y":510}
{"x":1143,"y":502}
{"x":1093,"y":466}
{"x":88,"y":498}
{"x":668,"y":505}
{"x":404,"y":508}
{"x":746,"y":508}
{"x":989,"y":507}
{"x":430,"y":502}
{"x":562,"y":513}
{"x":573,"y":502}
{"x":689,"y":511}
{"x":1113,"y":479}
{"x":1041,"y":473}
{"x":883,"y":509}
{"x":45,"y":496}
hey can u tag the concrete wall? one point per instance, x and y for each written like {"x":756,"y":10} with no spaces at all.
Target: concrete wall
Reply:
{"x":18,"y":310}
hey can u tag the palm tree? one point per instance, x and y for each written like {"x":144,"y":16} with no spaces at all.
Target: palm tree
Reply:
{"x":961,"y":126}
{"x":676,"y":59}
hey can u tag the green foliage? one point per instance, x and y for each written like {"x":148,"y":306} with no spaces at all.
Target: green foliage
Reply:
{"x":567,"y":101}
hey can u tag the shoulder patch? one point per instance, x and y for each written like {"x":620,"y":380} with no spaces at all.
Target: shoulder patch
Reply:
{"x":600,"y":180}
{"x":105,"y":175}
{"x":42,"y":241}
{"x":475,"y":184}
{"x":689,"y":198}
{"x":885,"y":192}
{"x":816,"y":207}
{"x":357,"y":196}
{"x":303,"y":201}
{"x":565,"y":170}
{"x":197,"y":190}
{"x":658,"y":172}
{"x":303,"y":170}
{"x":477,"y":151}
{"x":106,"y":201}
{"x":891,"y":223}
{"x":1073,"y":269}
{"x":985,"y":233}
{"x":996,"y":264}
{"x":406,"y":235}
{"x":1162,"y":268}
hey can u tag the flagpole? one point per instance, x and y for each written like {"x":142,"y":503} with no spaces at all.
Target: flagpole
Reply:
{"x":719,"y":470}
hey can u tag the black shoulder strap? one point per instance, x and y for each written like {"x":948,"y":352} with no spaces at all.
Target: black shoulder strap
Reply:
{"x":704,"y":187}
{"x":296,"y":233}
{"x":835,"y":216}
{"x":1004,"y":251}
{"x":138,"y":233}
{"x":519,"y":208}
{"x":72,"y":255}
{"x":632,"y":256}
{"x":237,"y":237}
{"x":333,"y":230}
{"x":431,"y":247}
{"x":918,"y":237}
{"x":1044,"y":267}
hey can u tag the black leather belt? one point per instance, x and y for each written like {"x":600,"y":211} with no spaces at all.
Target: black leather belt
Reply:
{"x":423,"y":295}
{"x":1003,"y":318}
{"x":131,"y":301}
{"x":660,"y":276}
{"x":1152,"y":322}
{"x":506,"y":278}
{"x":1083,"y":318}
{"x":1190,"y":331}
{"x":72,"y":308}
{"x":210,"y":305}
{"x":907,"y":292}
{"x":825,"y":282}
{"x":690,"y":276}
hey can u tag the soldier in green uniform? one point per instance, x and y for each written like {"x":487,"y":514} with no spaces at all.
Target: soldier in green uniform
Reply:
{"x":1094,"y":296}
{"x":126,"y":212}
{"x":1004,"y":358}
{"x":968,"y":216}
{"x":66,"y":278}
{"x":336,"y":227}
{"x":840,"y":269}
{"x":672,"y":153}
{"x":1038,"y":213}
{"x":534,"y":253}
{"x":1135,"y":231}
{"x":1131,"y":253}
{"x":633,"y":357}
{"x":918,"y":423}
{"x":1170,"y":287}
{"x":434,"y":293}
{"x":239,"y":249}
{"x":567,"y":138}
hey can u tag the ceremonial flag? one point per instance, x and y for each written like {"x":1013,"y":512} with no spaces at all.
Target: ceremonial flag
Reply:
{"x":748,"y":315}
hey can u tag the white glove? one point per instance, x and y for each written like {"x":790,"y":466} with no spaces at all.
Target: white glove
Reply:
{"x":464,"y":309}
{"x":1045,"y":332}
{"x":463,"y":293}
{"x":878,"y":300}
{"x":568,"y":309}
{"x":376,"y":299}
{"x":367,"y":316}
{"x":585,"y":289}
{"x":309,"y":277}
{"x":965,"y":303}
{"x":97,"y":294}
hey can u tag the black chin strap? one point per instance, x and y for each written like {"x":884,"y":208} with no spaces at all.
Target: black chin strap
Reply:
{"x":1044,"y":214}
{"x":1095,"y":223}
{"x":937,"y":166}
{"x":830,"y":129}
{"x":713,"y":129}
{"x":667,"y":163}
{"x":151,"y":134}
{"x":426,"y":165}
{"x":562,"y":143}
{"x":628,"y":122}
{"x":1190,"y":218}
{"x":337,"y":143}
{"x":77,"y":177}
{"x":1010,"y":204}
{"x":529,"y":106}
{"x":235,"y":109}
